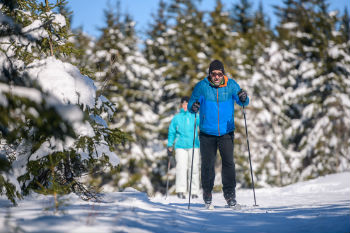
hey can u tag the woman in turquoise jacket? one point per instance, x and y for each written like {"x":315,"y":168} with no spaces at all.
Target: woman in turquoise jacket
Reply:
{"x":180,"y":136}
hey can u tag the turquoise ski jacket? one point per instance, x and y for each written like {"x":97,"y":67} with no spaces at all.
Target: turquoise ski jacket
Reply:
{"x":216,"y":105}
{"x":181,"y":130}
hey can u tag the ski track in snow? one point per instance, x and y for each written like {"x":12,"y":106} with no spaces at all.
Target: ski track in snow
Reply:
{"x":320,"y":205}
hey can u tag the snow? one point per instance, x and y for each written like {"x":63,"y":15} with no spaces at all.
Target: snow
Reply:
{"x":59,"y":19}
{"x":290,"y":25}
{"x":201,"y":55}
{"x":29,"y":93}
{"x":334,"y":52}
{"x":223,"y":27}
{"x":319,"y":205}
{"x":36,"y":30}
{"x":64,"y":81}
{"x":333,"y":13}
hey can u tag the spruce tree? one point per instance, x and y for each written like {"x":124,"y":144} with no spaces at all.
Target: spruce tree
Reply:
{"x":345,"y":26}
{"x":316,"y":84}
{"x":23,"y":118}
{"x":179,"y":35}
{"x":125,"y":77}
{"x":222,"y":40}
{"x":269,"y":84}
{"x":157,"y":54}
{"x":46,"y":25}
{"x":254,"y":35}
{"x":82,"y":57}
{"x":260,"y":35}
{"x":186,"y":47}
{"x":50,"y":148}
{"x":155,"y":44}
{"x":185,"y":56}
{"x":253,"y":44}
{"x":242,"y":16}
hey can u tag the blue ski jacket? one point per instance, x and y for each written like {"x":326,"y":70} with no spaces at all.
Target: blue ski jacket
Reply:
{"x":181,"y":130}
{"x":216,"y":105}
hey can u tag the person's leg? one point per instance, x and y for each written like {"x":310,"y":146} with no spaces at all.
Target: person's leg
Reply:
{"x":181,"y":171}
{"x":208,"y":148}
{"x":195,"y":172}
{"x":228,"y":172}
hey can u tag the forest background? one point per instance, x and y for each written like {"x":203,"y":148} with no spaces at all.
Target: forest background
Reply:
{"x":296,"y":74}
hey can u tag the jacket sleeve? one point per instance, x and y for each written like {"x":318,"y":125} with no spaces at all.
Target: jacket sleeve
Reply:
{"x":172,"y":132}
{"x":236,"y":89}
{"x":196,"y":96}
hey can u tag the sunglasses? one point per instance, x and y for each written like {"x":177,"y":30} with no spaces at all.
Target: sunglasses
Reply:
{"x":214,"y":74}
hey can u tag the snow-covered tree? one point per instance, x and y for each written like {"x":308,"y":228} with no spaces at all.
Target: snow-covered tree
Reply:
{"x":42,"y":22}
{"x":187,"y":41}
{"x":51,"y":126}
{"x":312,"y":75}
{"x":183,"y":44}
{"x":271,"y":159}
{"x":345,"y":26}
{"x":253,"y":36}
{"x":83,"y":55}
{"x":155,"y":47}
{"x":321,"y":132}
{"x":221,"y":39}
{"x":23,"y":101}
{"x":127,"y":79}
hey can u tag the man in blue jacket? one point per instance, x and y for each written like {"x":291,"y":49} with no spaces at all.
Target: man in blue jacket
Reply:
{"x":181,"y":132}
{"x":215,"y":96}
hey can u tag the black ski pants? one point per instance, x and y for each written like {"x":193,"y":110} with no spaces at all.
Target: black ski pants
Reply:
{"x":208,"y":147}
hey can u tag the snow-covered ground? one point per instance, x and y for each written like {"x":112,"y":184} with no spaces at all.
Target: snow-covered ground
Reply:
{"x":320,"y":205}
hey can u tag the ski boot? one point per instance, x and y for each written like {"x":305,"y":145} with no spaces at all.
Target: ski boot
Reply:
{"x":231,"y":201}
{"x":181,"y":195}
{"x":207,"y":200}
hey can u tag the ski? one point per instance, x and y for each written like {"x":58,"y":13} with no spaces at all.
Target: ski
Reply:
{"x":209,"y":206}
{"x":236,"y":207}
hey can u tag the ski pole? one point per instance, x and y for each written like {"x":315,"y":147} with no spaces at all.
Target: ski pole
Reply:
{"x":167,"y":179}
{"x":194,"y":139}
{"x":250,"y":160}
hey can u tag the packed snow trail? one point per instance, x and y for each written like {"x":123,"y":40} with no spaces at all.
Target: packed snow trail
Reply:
{"x":320,"y":205}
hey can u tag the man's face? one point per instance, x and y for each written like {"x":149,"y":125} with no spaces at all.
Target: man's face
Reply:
{"x":184,"y":105}
{"x":216,"y":77}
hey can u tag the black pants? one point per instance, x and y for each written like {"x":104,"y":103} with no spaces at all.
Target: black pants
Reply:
{"x":208,"y":147}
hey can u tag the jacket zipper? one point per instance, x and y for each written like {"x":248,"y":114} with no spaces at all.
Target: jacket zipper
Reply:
{"x":217,"y":99}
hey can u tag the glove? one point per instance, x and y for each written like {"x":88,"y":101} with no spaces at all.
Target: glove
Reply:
{"x":195,"y":107}
{"x":170,"y":152}
{"x":242,"y":95}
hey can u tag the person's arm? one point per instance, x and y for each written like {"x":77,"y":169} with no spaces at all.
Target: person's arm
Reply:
{"x":172,"y":132}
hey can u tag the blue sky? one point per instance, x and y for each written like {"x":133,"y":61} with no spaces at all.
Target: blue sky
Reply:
{"x":89,"y":13}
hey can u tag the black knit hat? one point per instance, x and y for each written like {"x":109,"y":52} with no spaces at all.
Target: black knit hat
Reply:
{"x":185,"y":98}
{"x":216,"y":65}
